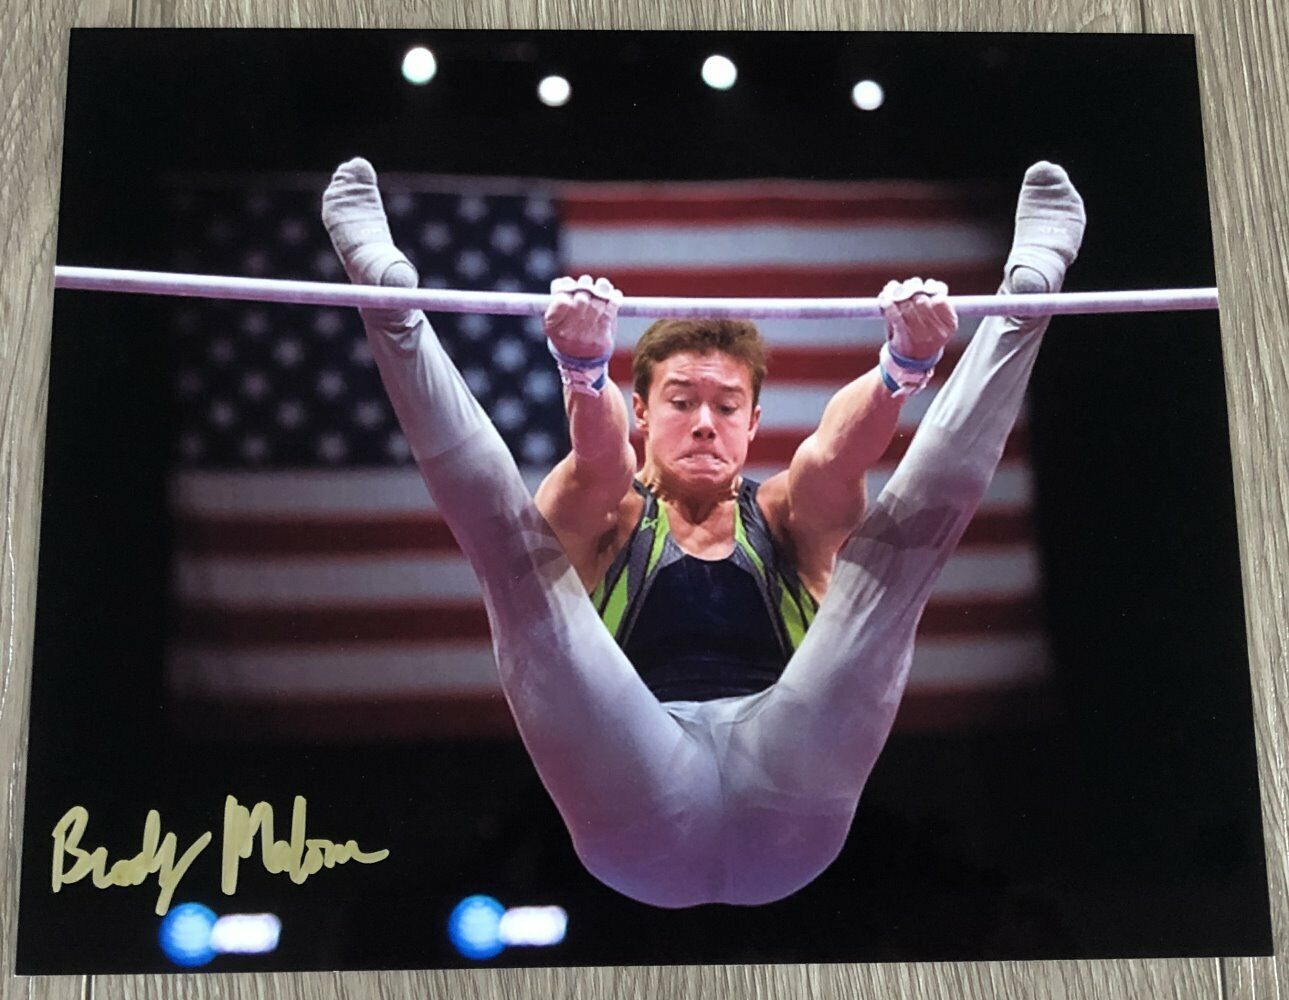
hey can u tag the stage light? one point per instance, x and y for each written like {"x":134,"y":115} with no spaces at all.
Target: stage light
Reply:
{"x":474,"y":927}
{"x":480,"y":927}
{"x":554,"y":91}
{"x":185,"y":934}
{"x":246,"y":934}
{"x":868,"y":95}
{"x":419,"y":65}
{"x":534,"y":926}
{"x":191,"y":934}
{"x":719,"y":73}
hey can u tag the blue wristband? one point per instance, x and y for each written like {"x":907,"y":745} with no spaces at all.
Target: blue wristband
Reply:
{"x":579,"y":364}
{"x":914,"y":364}
{"x":887,"y":381}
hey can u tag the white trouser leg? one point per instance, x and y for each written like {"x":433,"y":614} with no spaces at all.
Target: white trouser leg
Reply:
{"x":804,"y":749}
{"x":638,"y":792}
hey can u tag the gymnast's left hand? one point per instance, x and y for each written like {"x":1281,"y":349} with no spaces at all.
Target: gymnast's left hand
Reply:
{"x":920,"y":319}
{"x":583,"y":316}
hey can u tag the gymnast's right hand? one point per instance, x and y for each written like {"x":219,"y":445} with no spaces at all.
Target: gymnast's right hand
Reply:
{"x":582,"y":316}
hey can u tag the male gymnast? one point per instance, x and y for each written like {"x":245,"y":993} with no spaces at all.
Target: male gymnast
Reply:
{"x":704,"y":670}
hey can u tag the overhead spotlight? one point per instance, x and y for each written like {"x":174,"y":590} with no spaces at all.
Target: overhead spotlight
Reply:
{"x":719,"y":73}
{"x":868,"y":95}
{"x":554,"y":91}
{"x":419,"y":65}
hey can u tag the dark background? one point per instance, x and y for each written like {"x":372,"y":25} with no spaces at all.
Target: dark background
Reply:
{"x":1126,"y":824}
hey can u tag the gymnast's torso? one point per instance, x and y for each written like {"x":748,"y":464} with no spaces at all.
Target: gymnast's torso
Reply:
{"x":716,"y":621}
{"x":703,"y":633}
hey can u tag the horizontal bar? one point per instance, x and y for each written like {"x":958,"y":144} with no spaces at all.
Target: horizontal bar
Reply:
{"x":321,"y":293}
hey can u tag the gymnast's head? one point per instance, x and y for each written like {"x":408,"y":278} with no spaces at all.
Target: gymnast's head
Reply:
{"x":697,"y":389}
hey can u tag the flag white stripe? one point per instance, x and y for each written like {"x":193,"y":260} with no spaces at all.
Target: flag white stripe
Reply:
{"x":401,"y":491}
{"x":368,"y":493}
{"x":457,"y":668}
{"x":756,"y":245}
{"x":977,"y":663}
{"x":591,"y":192}
{"x":345,"y":583}
{"x":351,"y":584}
{"x":440,"y":668}
{"x":307,"y":492}
{"x":785,"y":334}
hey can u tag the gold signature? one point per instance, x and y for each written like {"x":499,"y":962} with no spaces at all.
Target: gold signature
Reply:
{"x":299,"y":856}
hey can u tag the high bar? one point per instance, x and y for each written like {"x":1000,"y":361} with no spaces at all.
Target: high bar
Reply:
{"x":322,"y":293}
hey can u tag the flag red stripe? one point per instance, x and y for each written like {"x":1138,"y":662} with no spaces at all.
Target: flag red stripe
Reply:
{"x":485,"y":715}
{"x":778,"y":281}
{"x":422,"y":621}
{"x":969,"y":617}
{"x":346,"y":719}
{"x":945,"y":710}
{"x":390,"y":534}
{"x":855,"y":208}
{"x":442,"y":621}
{"x":421,"y":534}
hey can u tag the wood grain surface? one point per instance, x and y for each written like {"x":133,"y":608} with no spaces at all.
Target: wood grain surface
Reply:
{"x":1243,"y":52}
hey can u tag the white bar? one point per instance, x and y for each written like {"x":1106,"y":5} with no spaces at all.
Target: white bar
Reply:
{"x":323,"y":293}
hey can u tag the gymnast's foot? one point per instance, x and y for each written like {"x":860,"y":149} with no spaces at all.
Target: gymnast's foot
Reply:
{"x":1049,"y":230}
{"x":355,"y":221}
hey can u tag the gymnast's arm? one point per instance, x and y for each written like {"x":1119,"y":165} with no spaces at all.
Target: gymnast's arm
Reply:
{"x":582,"y":496}
{"x":821,"y":498}
{"x":816,"y":503}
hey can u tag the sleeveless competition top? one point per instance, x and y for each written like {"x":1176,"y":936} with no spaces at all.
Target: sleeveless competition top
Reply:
{"x":697,"y":629}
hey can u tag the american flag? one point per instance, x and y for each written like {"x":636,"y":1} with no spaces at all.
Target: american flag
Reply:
{"x":318,"y":595}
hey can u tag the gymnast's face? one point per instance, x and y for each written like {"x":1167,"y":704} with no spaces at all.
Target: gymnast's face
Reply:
{"x":698,"y":420}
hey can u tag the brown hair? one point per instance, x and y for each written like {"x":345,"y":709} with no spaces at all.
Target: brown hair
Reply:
{"x":738,"y":338}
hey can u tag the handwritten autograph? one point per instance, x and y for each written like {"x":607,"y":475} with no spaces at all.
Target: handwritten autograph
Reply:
{"x":299,"y":857}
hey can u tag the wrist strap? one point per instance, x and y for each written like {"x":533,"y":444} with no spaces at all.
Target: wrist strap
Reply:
{"x":905,"y":376}
{"x":588,"y":376}
{"x":914,"y":364}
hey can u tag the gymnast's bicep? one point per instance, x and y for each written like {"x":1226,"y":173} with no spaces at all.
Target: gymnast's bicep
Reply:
{"x":584,"y":509}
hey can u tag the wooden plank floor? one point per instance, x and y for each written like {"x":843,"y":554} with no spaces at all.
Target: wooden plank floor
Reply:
{"x":1243,"y":51}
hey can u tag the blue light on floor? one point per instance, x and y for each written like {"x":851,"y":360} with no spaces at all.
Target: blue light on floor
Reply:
{"x":474,"y":927}
{"x":185,"y":934}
